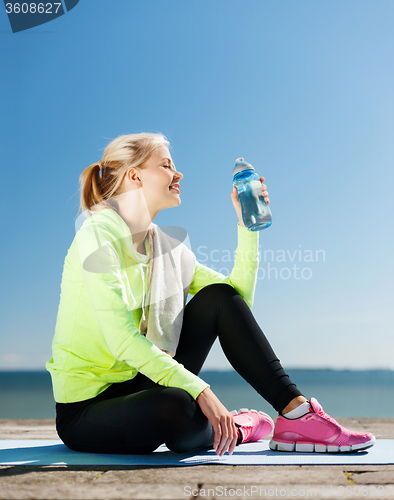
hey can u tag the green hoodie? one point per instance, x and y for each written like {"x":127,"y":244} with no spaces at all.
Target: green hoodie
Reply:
{"x":97,"y":341}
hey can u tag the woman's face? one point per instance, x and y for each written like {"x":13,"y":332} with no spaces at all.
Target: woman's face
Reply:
{"x":160,"y":182}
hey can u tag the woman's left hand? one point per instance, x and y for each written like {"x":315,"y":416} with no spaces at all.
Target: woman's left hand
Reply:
{"x":222,"y":421}
{"x":237,"y":204}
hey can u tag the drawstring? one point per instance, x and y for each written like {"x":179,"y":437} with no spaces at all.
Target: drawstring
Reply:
{"x":143,"y":289}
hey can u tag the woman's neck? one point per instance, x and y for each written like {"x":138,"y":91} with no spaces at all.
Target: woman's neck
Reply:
{"x":134,"y":211}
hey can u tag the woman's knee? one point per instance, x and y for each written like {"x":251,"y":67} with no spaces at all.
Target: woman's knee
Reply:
{"x":216,"y":292}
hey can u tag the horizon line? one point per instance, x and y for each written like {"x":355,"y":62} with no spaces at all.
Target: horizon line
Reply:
{"x":223,"y":370}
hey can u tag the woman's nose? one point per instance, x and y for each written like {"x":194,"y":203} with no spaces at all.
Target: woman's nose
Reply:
{"x":178,"y":175}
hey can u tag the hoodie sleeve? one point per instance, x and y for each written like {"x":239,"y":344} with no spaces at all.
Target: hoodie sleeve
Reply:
{"x":243,"y":276}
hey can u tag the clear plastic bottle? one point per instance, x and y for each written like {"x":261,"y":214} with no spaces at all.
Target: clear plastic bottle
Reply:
{"x":256,"y":214}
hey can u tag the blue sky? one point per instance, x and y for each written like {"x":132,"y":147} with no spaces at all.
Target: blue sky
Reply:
{"x":304,"y":90}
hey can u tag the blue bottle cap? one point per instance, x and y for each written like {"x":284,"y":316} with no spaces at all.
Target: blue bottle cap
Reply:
{"x":241,"y":165}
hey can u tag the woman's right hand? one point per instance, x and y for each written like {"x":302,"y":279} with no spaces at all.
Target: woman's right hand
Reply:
{"x":226,"y":434}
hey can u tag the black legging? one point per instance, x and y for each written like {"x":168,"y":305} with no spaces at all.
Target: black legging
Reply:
{"x":139,"y":415}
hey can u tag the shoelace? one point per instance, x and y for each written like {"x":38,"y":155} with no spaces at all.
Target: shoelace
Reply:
{"x":328,"y":417}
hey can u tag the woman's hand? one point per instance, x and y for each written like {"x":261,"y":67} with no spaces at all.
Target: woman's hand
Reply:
{"x":226,"y":434}
{"x":237,"y":204}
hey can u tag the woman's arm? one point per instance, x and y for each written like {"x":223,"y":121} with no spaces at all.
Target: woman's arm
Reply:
{"x":243,"y":276}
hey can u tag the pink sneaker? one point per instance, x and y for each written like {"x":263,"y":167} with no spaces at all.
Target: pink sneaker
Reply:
{"x":252,"y":424}
{"x":317,"y":432}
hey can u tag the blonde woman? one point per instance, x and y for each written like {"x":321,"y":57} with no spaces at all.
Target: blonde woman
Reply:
{"x":127,"y":348}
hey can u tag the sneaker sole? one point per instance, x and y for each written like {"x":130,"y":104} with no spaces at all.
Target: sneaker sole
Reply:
{"x":318,"y":448}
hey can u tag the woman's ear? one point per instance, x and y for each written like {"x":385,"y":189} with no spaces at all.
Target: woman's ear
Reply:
{"x":133,"y":175}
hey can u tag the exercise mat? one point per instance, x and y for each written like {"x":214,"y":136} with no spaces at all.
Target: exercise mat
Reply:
{"x":54,"y":452}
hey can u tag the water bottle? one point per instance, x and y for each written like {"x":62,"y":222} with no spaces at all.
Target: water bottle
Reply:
{"x":256,"y":214}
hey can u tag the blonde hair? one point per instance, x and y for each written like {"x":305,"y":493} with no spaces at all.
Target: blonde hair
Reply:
{"x":103,"y":179}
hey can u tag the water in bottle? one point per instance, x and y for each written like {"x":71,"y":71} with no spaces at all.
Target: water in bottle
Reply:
{"x":256,"y":214}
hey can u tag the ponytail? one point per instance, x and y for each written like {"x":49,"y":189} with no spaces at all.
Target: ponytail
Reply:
{"x":91,"y":193}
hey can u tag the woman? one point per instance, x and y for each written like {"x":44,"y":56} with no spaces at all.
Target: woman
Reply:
{"x":127,"y":350}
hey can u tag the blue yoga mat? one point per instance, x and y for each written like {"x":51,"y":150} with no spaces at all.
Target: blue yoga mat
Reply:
{"x":54,"y":452}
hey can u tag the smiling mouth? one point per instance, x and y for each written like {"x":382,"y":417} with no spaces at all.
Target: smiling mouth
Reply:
{"x":174,"y":188}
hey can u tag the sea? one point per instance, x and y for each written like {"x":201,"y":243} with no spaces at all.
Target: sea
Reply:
{"x":342,"y":393}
